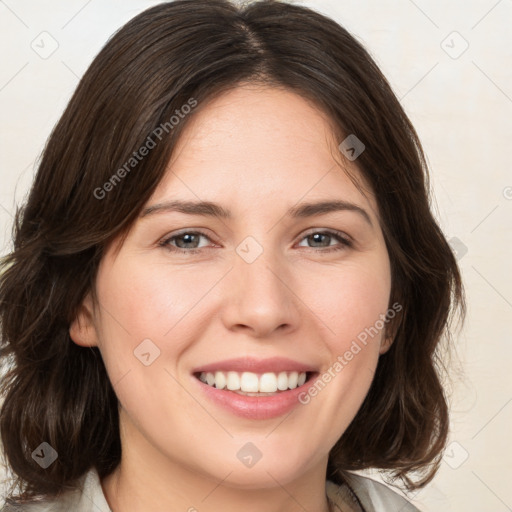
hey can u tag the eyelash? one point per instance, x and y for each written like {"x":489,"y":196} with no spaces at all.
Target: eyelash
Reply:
{"x":341,"y":237}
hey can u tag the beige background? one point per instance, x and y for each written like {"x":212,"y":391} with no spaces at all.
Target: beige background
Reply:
{"x":460,"y":100}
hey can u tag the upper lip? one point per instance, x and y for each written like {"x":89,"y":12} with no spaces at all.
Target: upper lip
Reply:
{"x":249,"y":364}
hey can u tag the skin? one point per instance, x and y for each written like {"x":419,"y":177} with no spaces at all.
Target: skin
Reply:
{"x":257,"y":151}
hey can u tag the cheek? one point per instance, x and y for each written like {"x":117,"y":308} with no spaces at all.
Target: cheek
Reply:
{"x":358,"y":322}
{"x":350,"y":318}
{"x":146,"y":301}
{"x":353,"y":302}
{"x":142,"y":312}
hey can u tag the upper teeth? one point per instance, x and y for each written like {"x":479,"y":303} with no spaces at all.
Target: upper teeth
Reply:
{"x":253,"y":382}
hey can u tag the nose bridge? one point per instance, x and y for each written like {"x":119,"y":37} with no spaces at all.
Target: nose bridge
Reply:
{"x":261,"y":298}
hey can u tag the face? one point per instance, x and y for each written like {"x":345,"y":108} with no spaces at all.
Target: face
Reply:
{"x":258,"y":300}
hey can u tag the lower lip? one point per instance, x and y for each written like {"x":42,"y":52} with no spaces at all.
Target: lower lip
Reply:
{"x":256,"y":407}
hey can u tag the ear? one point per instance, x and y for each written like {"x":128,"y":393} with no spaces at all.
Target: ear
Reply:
{"x":82,"y":329}
{"x":389,"y":334}
{"x":386,"y":343}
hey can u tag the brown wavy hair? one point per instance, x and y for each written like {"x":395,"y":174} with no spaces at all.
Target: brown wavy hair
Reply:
{"x":57,"y":392}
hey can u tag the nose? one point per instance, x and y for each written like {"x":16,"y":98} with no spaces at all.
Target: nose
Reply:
{"x":260,"y":299}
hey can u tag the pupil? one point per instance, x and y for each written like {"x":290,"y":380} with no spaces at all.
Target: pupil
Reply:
{"x":316,"y":237}
{"x":187,"y":238}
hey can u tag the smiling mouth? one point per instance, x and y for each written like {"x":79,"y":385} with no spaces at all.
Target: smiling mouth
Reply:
{"x":254,"y":384}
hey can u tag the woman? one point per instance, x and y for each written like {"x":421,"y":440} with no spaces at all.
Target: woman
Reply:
{"x":227,"y":289}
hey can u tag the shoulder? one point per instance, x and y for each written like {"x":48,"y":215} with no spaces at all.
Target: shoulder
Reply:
{"x":373,"y":496}
{"x":88,"y":497}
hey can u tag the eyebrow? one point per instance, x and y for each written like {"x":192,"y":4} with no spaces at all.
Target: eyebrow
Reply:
{"x":211,"y":209}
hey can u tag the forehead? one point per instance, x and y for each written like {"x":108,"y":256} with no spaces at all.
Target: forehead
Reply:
{"x":254,"y":142}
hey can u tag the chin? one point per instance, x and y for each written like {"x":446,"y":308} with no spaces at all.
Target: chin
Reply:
{"x":262,"y":477}
{"x":274,"y":467}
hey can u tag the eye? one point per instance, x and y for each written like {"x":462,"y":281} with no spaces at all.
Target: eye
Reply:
{"x":184,"y":242}
{"x":188,"y":242}
{"x":323,"y":239}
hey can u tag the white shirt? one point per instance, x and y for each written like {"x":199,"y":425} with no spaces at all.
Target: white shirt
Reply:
{"x":361,"y":494}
